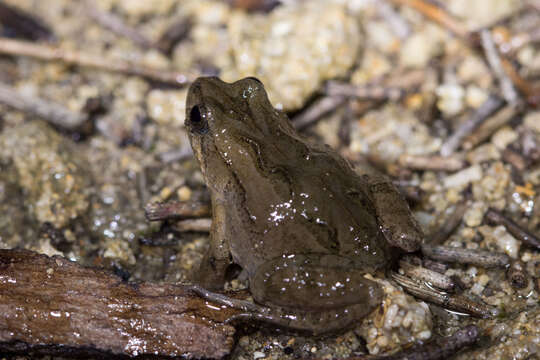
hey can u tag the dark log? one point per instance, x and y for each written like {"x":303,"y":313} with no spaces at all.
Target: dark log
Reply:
{"x":52,"y":306}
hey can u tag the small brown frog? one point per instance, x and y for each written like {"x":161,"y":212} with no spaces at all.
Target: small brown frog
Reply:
{"x":303,"y":225}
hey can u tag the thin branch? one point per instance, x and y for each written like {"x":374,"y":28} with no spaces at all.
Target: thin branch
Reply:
{"x":176,"y":210}
{"x":496,"y":218}
{"x":438,"y":15}
{"x":458,"y":303}
{"x":116,"y":25}
{"x":494,"y":61}
{"x":451,"y":144}
{"x":432,"y":162}
{"x":451,"y":223}
{"x":72,"y":57}
{"x":492,"y":124}
{"x":482,"y":258}
{"x":317,"y":110}
{"x":54,"y":113}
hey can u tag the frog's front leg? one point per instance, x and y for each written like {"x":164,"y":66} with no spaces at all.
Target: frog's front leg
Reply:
{"x":312,"y":292}
{"x":211,"y":273}
{"x":397,"y":223}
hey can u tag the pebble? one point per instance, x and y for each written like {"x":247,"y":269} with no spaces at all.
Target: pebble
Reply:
{"x":504,"y":137}
{"x":450,"y":99}
{"x":532,"y":121}
{"x":464,"y":177}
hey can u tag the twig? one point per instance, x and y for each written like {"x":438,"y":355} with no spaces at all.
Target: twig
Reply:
{"x":458,"y":303}
{"x":54,"y":113}
{"x":494,"y":61}
{"x":175,"y":33}
{"x":438,"y":15}
{"x":451,"y":223}
{"x":368,"y":92}
{"x":451,"y":144}
{"x":436,"y":279}
{"x":317,"y":110}
{"x":482,"y":258}
{"x":176,"y":210}
{"x":515,"y":159}
{"x":517,"y":275}
{"x":486,"y":129}
{"x":24,"y":24}
{"x":432,"y":162}
{"x":50,"y":305}
{"x":440,"y":348}
{"x":197,"y":225}
{"x":496,"y":218}
{"x":49,"y":53}
{"x":175,"y":155}
{"x":395,"y":21}
{"x":116,"y":25}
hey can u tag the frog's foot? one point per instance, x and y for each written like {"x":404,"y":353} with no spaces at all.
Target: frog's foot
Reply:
{"x":315,"y":322}
{"x":397,"y":223}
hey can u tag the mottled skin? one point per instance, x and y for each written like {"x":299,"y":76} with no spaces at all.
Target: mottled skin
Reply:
{"x":295,"y":216}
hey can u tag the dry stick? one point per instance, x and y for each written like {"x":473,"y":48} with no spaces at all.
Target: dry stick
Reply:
{"x":395,"y":21}
{"x":432,"y":162}
{"x":438,"y":15}
{"x":496,"y":218}
{"x":436,"y":279}
{"x":439,"y":349}
{"x":49,"y":53}
{"x":117,"y":26}
{"x":318,"y":109}
{"x":482,"y":258}
{"x":494,"y":61}
{"x":451,"y":223}
{"x":515,"y":159}
{"x":176,"y":210}
{"x":54,"y":113}
{"x":197,"y":225}
{"x":24,"y":24}
{"x":175,"y":155}
{"x":50,"y":305}
{"x":368,"y":92}
{"x":487,"y":128}
{"x":458,"y":303}
{"x":489,"y":106}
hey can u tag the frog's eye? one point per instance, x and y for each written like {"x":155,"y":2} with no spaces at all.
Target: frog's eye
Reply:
{"x":197,"y":120}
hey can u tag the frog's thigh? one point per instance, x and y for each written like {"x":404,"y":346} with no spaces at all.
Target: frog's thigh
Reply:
{"x":315,"y":283}
{"x":211,"y":273}
{"x":394,"y":216}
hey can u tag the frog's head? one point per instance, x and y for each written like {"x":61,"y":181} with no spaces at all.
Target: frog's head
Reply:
{"x":231,"y":127}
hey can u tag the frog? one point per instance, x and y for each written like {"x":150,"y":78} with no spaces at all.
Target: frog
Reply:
{"x":310,"y":232}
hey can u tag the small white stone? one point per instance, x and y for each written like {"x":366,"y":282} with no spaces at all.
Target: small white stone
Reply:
{"x":258,"y":355}
{"x":532,"y":121}
{"x":475,"y":96}
{"x":450,"y":98}
{"x":475,"y":213}
{"x":464,"y":177}
{"x":504,"y":137}
{"x":506,"y":242}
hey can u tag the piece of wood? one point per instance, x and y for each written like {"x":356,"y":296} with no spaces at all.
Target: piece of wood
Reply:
{"x":50,"y":305}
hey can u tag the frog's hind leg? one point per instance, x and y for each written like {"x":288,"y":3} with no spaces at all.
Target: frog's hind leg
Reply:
{"x":315,"y":322}
{"x":397,"y":223}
